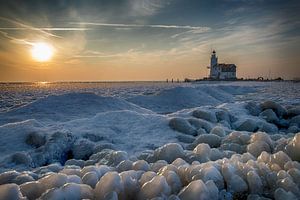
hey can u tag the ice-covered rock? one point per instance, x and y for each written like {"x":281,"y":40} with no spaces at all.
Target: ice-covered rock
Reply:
{"x":223,"y":115}
{"x":269,"y":115}
{"x":22,"y":158}
{"x":182,"y":125}
{"x":110,"y":182}
{"x":278,"y":109}
{"x":295,"y":121}
{"x":293,"y":148}
{"x":200,"y":124}
{"x":280,"y":194}
{"x":82,"y":149}
{"x":70,"y":191}
{"x":32,"y":190}
{"x":140,"y":165}
{"x":253,"y":108}
{"x":206,"y":115}
{"x":90,"y":178}
{"x":254,"y":183}
{"x":194,"y":191}
{"x":35,"y":139}
{"x":169,"y":152}
{"x":156,"y":187}
{"x":53,"y":180}
{"x":11,"y":191}
{"x":249,"y":125}
{"x":75,"y":162}
{"x":8,"y":177}
{"x":218,"y":130}
{"x":212,"y":140}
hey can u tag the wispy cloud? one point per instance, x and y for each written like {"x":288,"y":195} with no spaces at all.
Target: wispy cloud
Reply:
{"x":22,"y":25}
{"x":47,"y":28}
{"x":143,"y":25}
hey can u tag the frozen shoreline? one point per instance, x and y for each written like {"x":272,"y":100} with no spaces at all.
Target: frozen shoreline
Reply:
{"x":211,"y":132}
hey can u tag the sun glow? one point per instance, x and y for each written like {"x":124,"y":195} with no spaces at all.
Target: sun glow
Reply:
{"x":42,"y":52}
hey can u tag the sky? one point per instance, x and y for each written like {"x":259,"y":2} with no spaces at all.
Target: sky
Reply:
{"x":130,"y":40}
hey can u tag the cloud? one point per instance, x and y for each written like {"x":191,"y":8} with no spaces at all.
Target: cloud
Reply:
{"x":142,"y":26}
{"x":47,"y":29}
{"x":22,"y":25}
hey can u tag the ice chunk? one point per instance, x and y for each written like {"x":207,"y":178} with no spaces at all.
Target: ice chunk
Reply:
{"x":209,"y":172}
{"x":253,"y":108}
{"x":70,"y":191}
{"x":206,"y":115}
{"x":282,"y":194}
{"x":32,"y":190}
{"x":147,"y":176}
{"x":200,"y":123}
{"x":257,"y":147}
{"x":218,"y":130}
{"x":157,"y":187}
{"x":249,"y":125}
{"x":254,"y":183}
{"x":269,"y":115}
{"x":212,"y":140}
{"x":125,"y":165}
{"x":90,"y":178}
{"x":82,"y":149}
{"x":278,"y":109}
{"x":75,"y":162}
{"x":140,"y":165}
{"x":194,"y":191}
{"x":22,"y":158}
{"x":23,"y":178}
{"x":169,"y":152}
{"x":202,"y":151}
{"x":8,"y":177}
{"x":173,"y":180}
{"x":110,"y":182}
{"x":182,"y":125}
{"x":10,"y":191}
{"x":53,"y":180}
{"x":35,"y":139}
{"x":293,"y":148}
{"x":280,"y":158}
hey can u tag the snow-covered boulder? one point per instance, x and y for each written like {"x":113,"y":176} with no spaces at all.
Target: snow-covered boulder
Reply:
{"x":82,"y":149}
{"x":218,"y":130}
{"x":200,"y":124}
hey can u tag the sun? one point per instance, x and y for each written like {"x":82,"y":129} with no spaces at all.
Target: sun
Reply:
{"x":41,"y":51}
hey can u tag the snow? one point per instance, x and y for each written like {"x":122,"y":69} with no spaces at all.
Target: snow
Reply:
{"x":185,"y":141}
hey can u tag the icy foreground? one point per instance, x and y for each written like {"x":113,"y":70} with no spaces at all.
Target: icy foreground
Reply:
{"x":191,"y":142}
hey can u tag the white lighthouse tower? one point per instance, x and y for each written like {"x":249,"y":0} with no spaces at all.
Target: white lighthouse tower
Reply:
{"x":214,"y":65}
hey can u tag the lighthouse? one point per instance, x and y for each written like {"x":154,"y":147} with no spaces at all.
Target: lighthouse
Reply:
{"x":221,"y":71}
{"x":213,"y":64}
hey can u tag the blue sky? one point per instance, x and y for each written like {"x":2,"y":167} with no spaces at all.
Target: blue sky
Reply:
{"x":148,"y":39}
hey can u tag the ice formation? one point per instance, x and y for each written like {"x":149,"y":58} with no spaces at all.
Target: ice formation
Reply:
{"x":203,"y":146}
